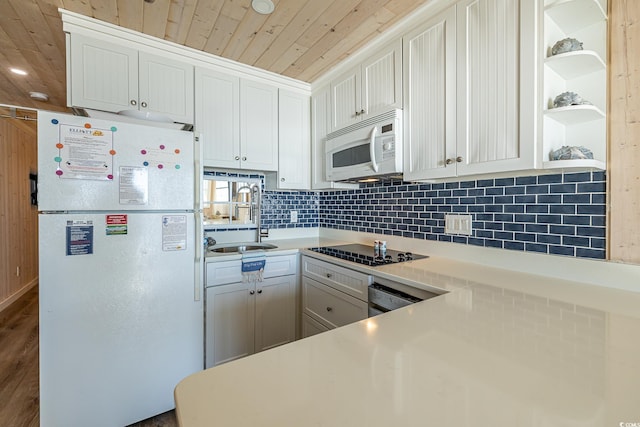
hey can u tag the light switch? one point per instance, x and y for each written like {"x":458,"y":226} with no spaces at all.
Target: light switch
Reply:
{"x":294,"y":216}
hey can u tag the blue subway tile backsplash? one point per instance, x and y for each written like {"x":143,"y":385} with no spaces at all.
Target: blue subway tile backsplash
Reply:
{"x":555,"y":214}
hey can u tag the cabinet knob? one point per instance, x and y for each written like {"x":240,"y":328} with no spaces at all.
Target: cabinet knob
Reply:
{"x":143,"y":104}
{"x":259,"y":291}
{"x":282,"y":179}
{"x":237,"y":157}
{"x":133,"y":102}
{"x":329,"y":275}
{"x":449,"y":161}
{"x":459,"y":159}
{"x":357,"y":113}
{"x":361,"y":112}
{"x":251,"y":292}
{"x":329,"y":309}
{"x":244,"y":159}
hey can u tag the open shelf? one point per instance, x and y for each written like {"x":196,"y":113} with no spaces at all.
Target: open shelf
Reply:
{"x":575,"y":164}
{"x":573,"y":15}
{"x":574,"y":114}
{"x":575,"y":64}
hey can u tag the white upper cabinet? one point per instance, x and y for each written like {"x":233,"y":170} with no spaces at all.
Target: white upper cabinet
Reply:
{"x":218,"y":117}
{"x":237,"y":120}
{"x":582,"y":72}
{"x":470,"y":94}
{"x":294,"y":141}
{"x":372,"y":87}
{"x":112,"y":77}
{"x":258,"y":126}
{"x":430,"y":98}
{"x":497,"y":90}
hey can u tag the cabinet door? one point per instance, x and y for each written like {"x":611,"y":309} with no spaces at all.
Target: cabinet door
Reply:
{"x":382,"y":81}
{"x":218,"y":118}
{"x":275,"y":312}
{"x":258,"y":126}
{"x":345,"y":99}
{"x":430,"y":98}
{"x":320,"y":102}
{"x":230,"y":323}
{"x":293,"y":146}
{"x":165,"y":86}
{"x":102,"y":76}
{"x":496,"y":75}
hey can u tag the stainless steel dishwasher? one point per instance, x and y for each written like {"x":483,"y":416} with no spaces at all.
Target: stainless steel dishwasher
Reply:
{"x":386,"y":295}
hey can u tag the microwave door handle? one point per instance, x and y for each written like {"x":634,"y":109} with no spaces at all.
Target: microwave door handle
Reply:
{"x":372,"y":149}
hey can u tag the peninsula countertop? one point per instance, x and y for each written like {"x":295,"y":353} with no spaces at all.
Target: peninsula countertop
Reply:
{"x":499,"y":348}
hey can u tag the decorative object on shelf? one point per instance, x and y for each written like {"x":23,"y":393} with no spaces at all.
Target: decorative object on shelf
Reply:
{"x":566,"y":45}
{"x":571,"y":153}
{"x":569,"y":98}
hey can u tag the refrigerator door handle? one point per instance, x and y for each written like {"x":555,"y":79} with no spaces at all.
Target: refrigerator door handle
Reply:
{"x":198,"y":270}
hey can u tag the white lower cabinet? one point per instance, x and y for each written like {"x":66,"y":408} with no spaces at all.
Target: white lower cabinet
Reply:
{"x":332,"y":296}
{"x":243,"y":318}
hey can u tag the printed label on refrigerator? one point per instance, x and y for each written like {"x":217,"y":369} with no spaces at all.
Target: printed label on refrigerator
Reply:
{"x":79,"y":237}
{"x":116,"y":224}
{"x":85,"y":153}
{"x":174,"y":232}
{"x":134,"y":185}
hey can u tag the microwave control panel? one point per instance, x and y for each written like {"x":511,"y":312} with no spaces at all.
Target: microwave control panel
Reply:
{"x":388,"y":144}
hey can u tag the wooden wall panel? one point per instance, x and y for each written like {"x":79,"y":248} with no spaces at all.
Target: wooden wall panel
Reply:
{"x":18,"y":219}
{"x":624,"y":132}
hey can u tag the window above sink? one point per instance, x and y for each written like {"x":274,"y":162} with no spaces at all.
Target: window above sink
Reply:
{"x":228,"y":200}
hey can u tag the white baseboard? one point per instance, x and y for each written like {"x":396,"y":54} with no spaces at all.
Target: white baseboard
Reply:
{"x":13,"y":298}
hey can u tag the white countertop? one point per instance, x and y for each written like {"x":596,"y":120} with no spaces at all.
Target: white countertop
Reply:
{"x":501,"y":348}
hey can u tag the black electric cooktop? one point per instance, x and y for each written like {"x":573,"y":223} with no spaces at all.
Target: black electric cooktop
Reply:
{"x":367,"y":255}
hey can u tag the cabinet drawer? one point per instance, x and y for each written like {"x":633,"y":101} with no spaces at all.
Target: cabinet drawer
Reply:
{"x":224,"y":272}
{"x":311,"y":326}
{"x":329,"y":306}
{"x":348,"y":281}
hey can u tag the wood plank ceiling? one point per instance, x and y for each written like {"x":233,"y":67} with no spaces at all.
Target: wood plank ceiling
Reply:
{"x":301,"y":39}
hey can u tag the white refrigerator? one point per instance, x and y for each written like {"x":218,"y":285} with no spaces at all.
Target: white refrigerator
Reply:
{"x":121,"y":316}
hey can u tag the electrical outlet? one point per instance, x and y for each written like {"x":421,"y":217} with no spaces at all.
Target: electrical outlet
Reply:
{"x":458,"y":224}
{"x":294,"y":216}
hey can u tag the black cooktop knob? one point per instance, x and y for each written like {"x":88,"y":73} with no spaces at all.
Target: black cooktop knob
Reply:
{"x":388,"y":259}
{"x":401,"y":257}
{"x":409,"y":256}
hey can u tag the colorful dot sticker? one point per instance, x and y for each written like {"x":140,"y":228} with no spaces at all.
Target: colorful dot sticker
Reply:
{"x":162,"y":147}
{"x":113,"y":128}
{"x":87,"y":125}
{"x":146,"y":163}
{"x":177,"y":151}
{"x":177,"y":166}
{"x":59,"y":146}
{"x":59,"y":172}
{"x":57,"y":159}
{"x":160,"y":166}
{"x":109,"y":176}
{"x":112,"y":152}
{"x":143,"y":152}
{"x":54,"y":121}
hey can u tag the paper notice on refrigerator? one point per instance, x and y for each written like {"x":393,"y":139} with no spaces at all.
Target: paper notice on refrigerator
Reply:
{"x":174,"y":232}
{"x":79,"y":237}
{"x":85,"y":153}
{"x":134,"y":185}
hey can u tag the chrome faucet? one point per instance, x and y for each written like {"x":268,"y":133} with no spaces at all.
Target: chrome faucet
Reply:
{"x":256,"y":200}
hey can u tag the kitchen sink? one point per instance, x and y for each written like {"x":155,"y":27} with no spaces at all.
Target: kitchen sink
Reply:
{"x":242,"y":248}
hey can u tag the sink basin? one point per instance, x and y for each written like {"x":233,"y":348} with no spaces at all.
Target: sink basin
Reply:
{"x":242,"y":248}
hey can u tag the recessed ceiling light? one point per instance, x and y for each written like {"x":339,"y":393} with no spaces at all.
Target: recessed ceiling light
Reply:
{"x":263,"y":7}
{"x":39,"y":96}
{"x":18,"y":71}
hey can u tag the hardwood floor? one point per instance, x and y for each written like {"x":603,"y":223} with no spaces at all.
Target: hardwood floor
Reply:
{"x":19,"y":381}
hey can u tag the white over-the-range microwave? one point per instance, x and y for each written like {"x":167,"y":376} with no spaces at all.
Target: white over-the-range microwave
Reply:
{"x":371,"y":148}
